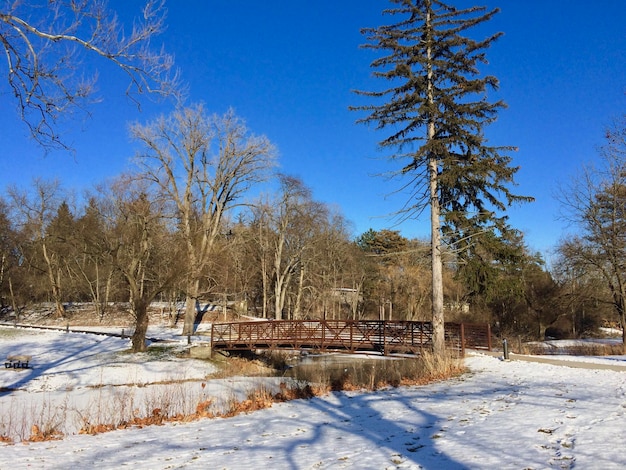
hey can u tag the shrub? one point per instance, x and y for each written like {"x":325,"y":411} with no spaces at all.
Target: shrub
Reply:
{"x":373,"y":374}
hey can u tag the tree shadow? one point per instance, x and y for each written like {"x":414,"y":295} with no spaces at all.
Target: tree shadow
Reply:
{"x":201,"y":312}
{"x":402,"y":440}
{"x":14,"y":380}
{"x":394,"y":428}
{"x":319,"y":434}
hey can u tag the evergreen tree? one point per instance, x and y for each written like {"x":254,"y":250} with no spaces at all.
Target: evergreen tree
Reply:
{"x":92,"y":262}
{"x":434,"y":111}
{"x":57,"y":250}
{"x":383,"y":242}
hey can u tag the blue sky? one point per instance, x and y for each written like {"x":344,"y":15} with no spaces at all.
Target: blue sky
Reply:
{"x":288,"y":67}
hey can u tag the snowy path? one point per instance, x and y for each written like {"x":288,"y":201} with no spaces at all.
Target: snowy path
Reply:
{"x":504,"y":415}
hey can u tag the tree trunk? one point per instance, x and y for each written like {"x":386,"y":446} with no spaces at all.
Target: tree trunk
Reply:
{"x":191,"y":310}
{"x":280,"y":292}
{"x":542,"y":331}
{"x":140,"y":311}
{"x":435,"y":227}
{"x":2,"y":268}
{"x":54,"y":285}
{"x":541,"y":326}
{"x":437,"y":279}
{"x":264,"y":280}
{"x":278,"y":299}
{"x":622,"y":319}
{"x":354,"y":300}
{"x":280,"y":278}
{"x":263,"y":244}
{"x":297,"y":313}
{"x":16,"y":308}
{"x":107,"y":293}
{"x":98,"y":292}
{"x":281,"y":285}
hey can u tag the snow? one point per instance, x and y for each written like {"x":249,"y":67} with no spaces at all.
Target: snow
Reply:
{"x":501,"y":414}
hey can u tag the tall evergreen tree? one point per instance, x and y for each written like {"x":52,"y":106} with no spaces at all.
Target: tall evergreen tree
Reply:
{"x":434,"y":111}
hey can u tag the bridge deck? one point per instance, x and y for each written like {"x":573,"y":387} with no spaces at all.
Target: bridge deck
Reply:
{"x":386,"y":337}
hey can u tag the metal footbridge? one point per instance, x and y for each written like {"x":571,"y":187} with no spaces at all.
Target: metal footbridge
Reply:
{"x":381,"y":336}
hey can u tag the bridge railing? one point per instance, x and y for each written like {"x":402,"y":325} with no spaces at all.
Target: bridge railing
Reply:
{"x":385,"y":337}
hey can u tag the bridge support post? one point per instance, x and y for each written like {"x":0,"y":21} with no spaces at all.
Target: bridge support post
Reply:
{"x":201,"y":352}
{"x":384,"y":332}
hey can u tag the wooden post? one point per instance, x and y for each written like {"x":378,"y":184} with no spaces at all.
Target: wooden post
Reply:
{"x":462,"y":339}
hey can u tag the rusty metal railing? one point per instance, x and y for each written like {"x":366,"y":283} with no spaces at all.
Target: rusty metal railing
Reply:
{"x":386,"y":337}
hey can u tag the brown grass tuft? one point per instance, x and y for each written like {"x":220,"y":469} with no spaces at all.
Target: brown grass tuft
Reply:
{"x":39,"y":435}
{"x":586,"y":349}
{"x":257,"y":399}
{"x":237,"y":366}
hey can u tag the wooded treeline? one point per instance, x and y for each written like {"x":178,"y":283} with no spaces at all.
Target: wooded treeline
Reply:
{"x":287,"y":256}
{"x":181,"y":230}
{"x":283,"y":256}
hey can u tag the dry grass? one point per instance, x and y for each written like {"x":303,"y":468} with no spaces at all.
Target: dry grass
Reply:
{"x":238,"y":366}
{"x":171,"y":403}
{"x":377,"y":374}
{"x":586,"y":349}
{"x":256,"y":399}
{"x":39,"y":435}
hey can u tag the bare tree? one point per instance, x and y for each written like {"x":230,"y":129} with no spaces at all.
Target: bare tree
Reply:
{"x":329,"y":265}
{"x":579,"y":294}
{"x":596,"y":203}
{"x":8,"y":257}
{"x":203,"y":165}
{"x":34,"y":212}
{"x":262,"y":241}
{"x":141,"y":247}
{"x":357,"y":268}
{"x":295,"y":222}
{"x":44,"y":43}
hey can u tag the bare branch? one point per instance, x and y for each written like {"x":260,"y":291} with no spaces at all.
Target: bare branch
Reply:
{"x":44,"y":45}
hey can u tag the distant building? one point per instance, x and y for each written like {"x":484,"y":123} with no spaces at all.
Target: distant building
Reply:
{"x":347,"y":295}
{"x":457,"y":306}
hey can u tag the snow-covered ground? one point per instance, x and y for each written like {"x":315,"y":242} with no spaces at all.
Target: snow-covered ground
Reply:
{"x":501,"y":415}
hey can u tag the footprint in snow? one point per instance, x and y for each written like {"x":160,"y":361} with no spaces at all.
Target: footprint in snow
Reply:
{"x":559,"y":447}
